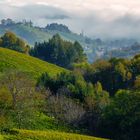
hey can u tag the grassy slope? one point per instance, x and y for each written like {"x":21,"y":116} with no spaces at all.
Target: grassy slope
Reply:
{"x":13,"y":60}
{"x":46,"y":135}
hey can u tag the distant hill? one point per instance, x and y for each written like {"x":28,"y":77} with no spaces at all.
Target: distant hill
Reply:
{"x":32,"y":34}
{"x":94,"y":48}
{"x":13,"y":60}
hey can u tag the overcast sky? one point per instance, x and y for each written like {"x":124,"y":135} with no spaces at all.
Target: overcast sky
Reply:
{"x":98,"y":18}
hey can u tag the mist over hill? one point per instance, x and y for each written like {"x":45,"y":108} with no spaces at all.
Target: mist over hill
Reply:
{"x":95,"y":48}
{"x":98,"y":18}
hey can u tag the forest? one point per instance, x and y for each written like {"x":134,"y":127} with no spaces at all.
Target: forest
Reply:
{"x":101,"y":99}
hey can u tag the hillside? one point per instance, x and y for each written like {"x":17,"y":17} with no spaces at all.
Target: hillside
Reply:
{"x":36,"y":34}
{"x":47,"y":135}
{"x":32,"y":34}
{"x":13,"y":60}
{"x":94,"y":48}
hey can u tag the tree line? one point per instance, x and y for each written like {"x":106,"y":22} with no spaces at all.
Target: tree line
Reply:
{"x":60,"y":52}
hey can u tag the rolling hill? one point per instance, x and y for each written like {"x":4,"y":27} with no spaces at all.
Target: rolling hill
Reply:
{"x":32,"y":34}
{"x":13,"y":60}
{"x":36,"y":34}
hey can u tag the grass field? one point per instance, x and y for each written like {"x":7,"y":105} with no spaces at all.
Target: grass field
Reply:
{"x":46,"y":135}
{"x":13,"y":60}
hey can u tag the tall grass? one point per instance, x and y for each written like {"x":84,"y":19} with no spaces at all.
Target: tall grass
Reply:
{"x":47,"y":135}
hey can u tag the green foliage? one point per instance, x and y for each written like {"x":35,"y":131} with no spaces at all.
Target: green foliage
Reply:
{"x":11,"y":41}
{"x":5,"y":123}
{"x":20,"y":104}
{"x":95,"y":104}
{"x":114,"y":74}
{"x":137,"y":83}
{"x":74,"y":83}
{"x":78,"y":98}
{"x":5,"y":98}
{"x":122,"y":116}
{"x":59,"y":52}
{"x":5,"y":104}
{"x":73,"y":87}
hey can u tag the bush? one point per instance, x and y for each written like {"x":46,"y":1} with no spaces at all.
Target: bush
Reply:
{"x":121,"y":119}
{"x":6,"y":124}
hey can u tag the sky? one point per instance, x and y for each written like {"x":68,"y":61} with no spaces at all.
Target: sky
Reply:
{"x":97,"y":18}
